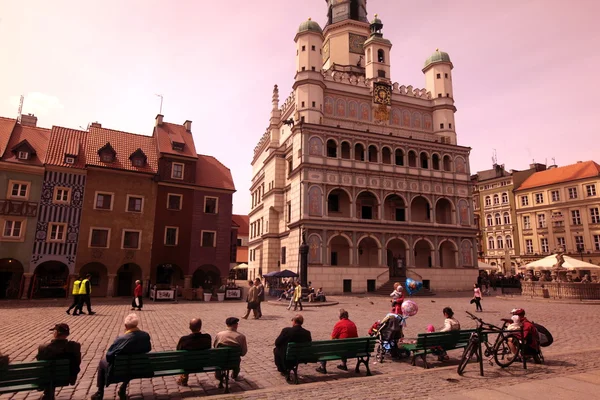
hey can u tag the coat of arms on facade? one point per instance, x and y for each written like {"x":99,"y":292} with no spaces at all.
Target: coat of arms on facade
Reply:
{"x":382,"y":114}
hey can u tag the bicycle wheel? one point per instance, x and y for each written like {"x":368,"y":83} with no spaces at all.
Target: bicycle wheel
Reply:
{"x":467,"y":355}
{"x":502,"y":352}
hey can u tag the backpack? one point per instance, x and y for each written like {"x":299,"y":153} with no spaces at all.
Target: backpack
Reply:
{"x":546,"y":338}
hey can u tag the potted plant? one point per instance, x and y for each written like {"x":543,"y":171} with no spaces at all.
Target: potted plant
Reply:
{"x":221,"y":293}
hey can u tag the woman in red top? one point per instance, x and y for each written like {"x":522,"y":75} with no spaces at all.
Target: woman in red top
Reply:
{"x":137,"y":297}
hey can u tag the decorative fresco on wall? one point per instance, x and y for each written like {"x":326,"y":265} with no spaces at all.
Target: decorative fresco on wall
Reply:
{"x":314,"y":246}
{"x":315,"y":146}
{"x":315,"y":201}
{"x":463,"y":213}
{"x":467,"y":253}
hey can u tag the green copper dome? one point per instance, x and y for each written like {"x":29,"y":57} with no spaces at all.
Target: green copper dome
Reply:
{"x":310,"y":25}
{"x":376,"y":20}
{"x":436,"y":57}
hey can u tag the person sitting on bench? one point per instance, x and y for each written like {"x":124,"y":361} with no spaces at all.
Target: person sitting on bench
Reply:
{"x":133,"y":341}
{"x":193,"y":342}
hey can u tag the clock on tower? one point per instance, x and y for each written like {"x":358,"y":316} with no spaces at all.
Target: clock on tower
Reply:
{"x":382,"y":94}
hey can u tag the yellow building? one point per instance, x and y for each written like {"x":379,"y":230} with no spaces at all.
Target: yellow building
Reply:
{"x":560,"y":207}
{"x":495,"y":214}
{"x":367,"y":168}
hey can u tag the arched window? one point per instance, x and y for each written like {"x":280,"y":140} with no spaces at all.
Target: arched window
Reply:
{"x":509,"y":243}
{"x":498,"y":219}
{"x":504,"y":198}
{"x":500,"y":242}
{"x":491,"y":243}
{"x":435,"y":162}
{"x":488,"y":201}
{"x":399,"y":157}
{"x":412,"y":159}
{"x":386,"y":155}
{"x":373,"y":153}
{"x":496,"y":199}
{"x":380,"y":56}
{"x":488,"y":220}
{"x":368,"y":55}
{"x":424,"y":160}
{"x":331,"y":148}
{"x":506,"y":218}
{"x":346,"y":150}
{"x":447,"y":164}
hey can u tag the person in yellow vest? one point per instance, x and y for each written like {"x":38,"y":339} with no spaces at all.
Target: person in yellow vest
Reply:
{"x":85,"y":290}
{"x":76,"y":297}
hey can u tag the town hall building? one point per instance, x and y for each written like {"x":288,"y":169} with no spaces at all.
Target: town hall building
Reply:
{"x":366,"y":170}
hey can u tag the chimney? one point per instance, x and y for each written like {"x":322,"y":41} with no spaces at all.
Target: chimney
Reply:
{"x":29,"y":120}
{"x":95,"y":124}
{"x":188,"y":125}
{"x":537,"y":167}
{"x":159,"y":119}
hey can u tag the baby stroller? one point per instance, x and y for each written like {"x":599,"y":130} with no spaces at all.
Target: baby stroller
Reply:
{"x":388,"y":333}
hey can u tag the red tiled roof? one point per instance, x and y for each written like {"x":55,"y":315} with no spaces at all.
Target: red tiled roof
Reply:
{"x":66,"y":141}
{"x":37,"y":138}
{"x":6,"y":127}
{"x":241,"y":255}
{"x":581,"y":170}
{"x":243,"y":221}
{"x":167,"y":133}
{"x":211,"y":173}
{"x":124,"y":144}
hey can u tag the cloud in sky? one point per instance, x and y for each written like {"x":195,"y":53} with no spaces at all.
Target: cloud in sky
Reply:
{"x":37,"y":103}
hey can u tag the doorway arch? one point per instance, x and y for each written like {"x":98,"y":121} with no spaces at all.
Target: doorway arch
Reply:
{"x":208,"y":277}
{"x":99,"y":279}
{"x":169,"y":275}
{"x":397,"y":257}
{"x":126,"y":277}
{"x":11,"y":273}
{"x":423,"y":254}
{"x":50,"y":279}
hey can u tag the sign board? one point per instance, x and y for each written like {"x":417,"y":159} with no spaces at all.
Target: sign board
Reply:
{"x":233,"y":294}
{"x":156,"y":294}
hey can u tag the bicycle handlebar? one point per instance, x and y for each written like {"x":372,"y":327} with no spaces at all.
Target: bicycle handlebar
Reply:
{"x":482,"y":322}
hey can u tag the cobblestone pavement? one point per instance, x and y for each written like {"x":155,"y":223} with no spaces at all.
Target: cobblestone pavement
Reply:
{"x":24,"y":325}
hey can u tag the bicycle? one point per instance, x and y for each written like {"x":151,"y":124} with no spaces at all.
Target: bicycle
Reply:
{"x":500,"y":350}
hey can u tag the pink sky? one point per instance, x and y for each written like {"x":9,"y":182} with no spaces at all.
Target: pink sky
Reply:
{"x":524,"y":79}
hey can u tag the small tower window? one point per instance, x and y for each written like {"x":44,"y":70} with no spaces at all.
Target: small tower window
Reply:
{"x":303,"y":48}
{"x":449,"y":125}
{"x":314,"y":104}
{"x":447,"y":94}
{"x":439,"y":76}
{"x":313,"y":68}
{"x":381,"y":73}
{"x":439,"y":94}
{"x":302,"y":104}
{"x":380,"y":56}
{"x":304,"y":69}
{"x":313,"y":48}
{"x":441,"y":126}
{"x":445,"y":75}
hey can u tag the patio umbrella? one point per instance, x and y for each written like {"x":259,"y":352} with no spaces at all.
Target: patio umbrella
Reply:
{"x":571,"y":263}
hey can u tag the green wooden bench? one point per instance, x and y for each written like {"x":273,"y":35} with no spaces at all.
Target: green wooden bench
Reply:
{"x":429,"y":342}
{"x":329,"y":350}
{"x":36,"y":375}
{"x":165,"y":363}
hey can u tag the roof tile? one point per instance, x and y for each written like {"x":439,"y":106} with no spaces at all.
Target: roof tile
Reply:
{"x":581,"y":170}
{"x":243,"y":221}
{"x":63,"y":142}
{"x":211,"y":173}
{"x":6,"y":127}
{"x":167,"y":133}
{"x":37,"y":139}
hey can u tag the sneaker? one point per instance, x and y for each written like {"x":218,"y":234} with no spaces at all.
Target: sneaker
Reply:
{"x":91,"y":313}
{"x":321,"y":370}
{"x":132,"y":308}
{"x":97,"y":396}
{"x":238,"y":378}
{"x":68,"y":312}
{"x":342,"y":367}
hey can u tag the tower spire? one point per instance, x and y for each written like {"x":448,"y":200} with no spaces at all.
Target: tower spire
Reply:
{"x":340,"y":10}
{"x":275,"y":100}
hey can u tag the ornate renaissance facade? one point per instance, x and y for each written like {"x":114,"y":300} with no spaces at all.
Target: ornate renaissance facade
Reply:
{"x":368,"y":169}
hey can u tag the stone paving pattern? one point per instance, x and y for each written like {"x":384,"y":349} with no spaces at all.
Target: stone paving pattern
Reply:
{"x":24,"y":325}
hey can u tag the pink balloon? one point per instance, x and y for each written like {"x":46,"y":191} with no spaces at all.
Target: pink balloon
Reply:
{"x":409,"y":308}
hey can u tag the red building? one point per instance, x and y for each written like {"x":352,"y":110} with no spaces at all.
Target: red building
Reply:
{"x":192,"y":231}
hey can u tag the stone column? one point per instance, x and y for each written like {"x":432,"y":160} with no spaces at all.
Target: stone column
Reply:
{"x":110,"y":289}
{"x":187,"y":283}
{"x":146,"y":286}
{"x":28,"y":276}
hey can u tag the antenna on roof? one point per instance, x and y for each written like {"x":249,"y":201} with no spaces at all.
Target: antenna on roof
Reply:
{"x":20,"y":108}
{"x":494,"y":157}
{"x":553,"y":161}
{"x":161,"y":101}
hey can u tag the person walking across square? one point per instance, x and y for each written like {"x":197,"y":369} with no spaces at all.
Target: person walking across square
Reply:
{"x":76,"y":297}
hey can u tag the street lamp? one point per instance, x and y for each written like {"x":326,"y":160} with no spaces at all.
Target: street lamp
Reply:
{"x":580,"y":250}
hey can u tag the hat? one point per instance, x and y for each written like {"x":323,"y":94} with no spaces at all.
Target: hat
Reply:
{"x":231,"y":321}
{"x":62,"y":329}
{"x":518,"y":311}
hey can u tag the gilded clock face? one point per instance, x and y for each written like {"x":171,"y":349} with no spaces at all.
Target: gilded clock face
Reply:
{"x":382,"y":94}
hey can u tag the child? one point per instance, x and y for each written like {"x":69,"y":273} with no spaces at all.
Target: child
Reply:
{"x":397,"y":298}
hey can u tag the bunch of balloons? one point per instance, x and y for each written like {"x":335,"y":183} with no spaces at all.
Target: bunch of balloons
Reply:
{"x":413,"y":286}
{"x":409,"y":308}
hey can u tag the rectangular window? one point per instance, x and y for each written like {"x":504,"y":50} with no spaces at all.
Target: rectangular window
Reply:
{"x":539,"y":198}
{"x":171,"y":236}
{"x":23,"y":155}
{"x":135,"y":204}
{"x":438,"y":76}
{"x":99,"y":237}
{"x":529,"y":246}
{"x":572,"y":193}
{"x":590,"y":190}
{"x":174,"y":201}
{"x":446,"y":75}
{"x":541,"y":220}
{"x":555,"y":195}
{"x":56,"y":232}
{"x":210,"y":205}
{"x":208,"y":239}
{"x":238,"y":242}
{"x":289,"y":212}
{"x":62,"y":195}
{"x":333,"y":203}
{"x":18,"y":190}
{"x":290,"y":167}
{"x":524,"y":201}
{"x":557,"y":219}
{"x":595,"y":215}
{"x":334,"y":258}
{"x":597,"y":242}
{"x":544,"y":243}
{"x":561,"y":242}
{"x":131,"y":239}
{"x":579,"y":243}
{"x":575,"y":217}
{"x":177,"y":170}
{"x":103,"y":201}
{"x":283,"y":255}
{"x":526,"y":222}
{"x":12,"y":229}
